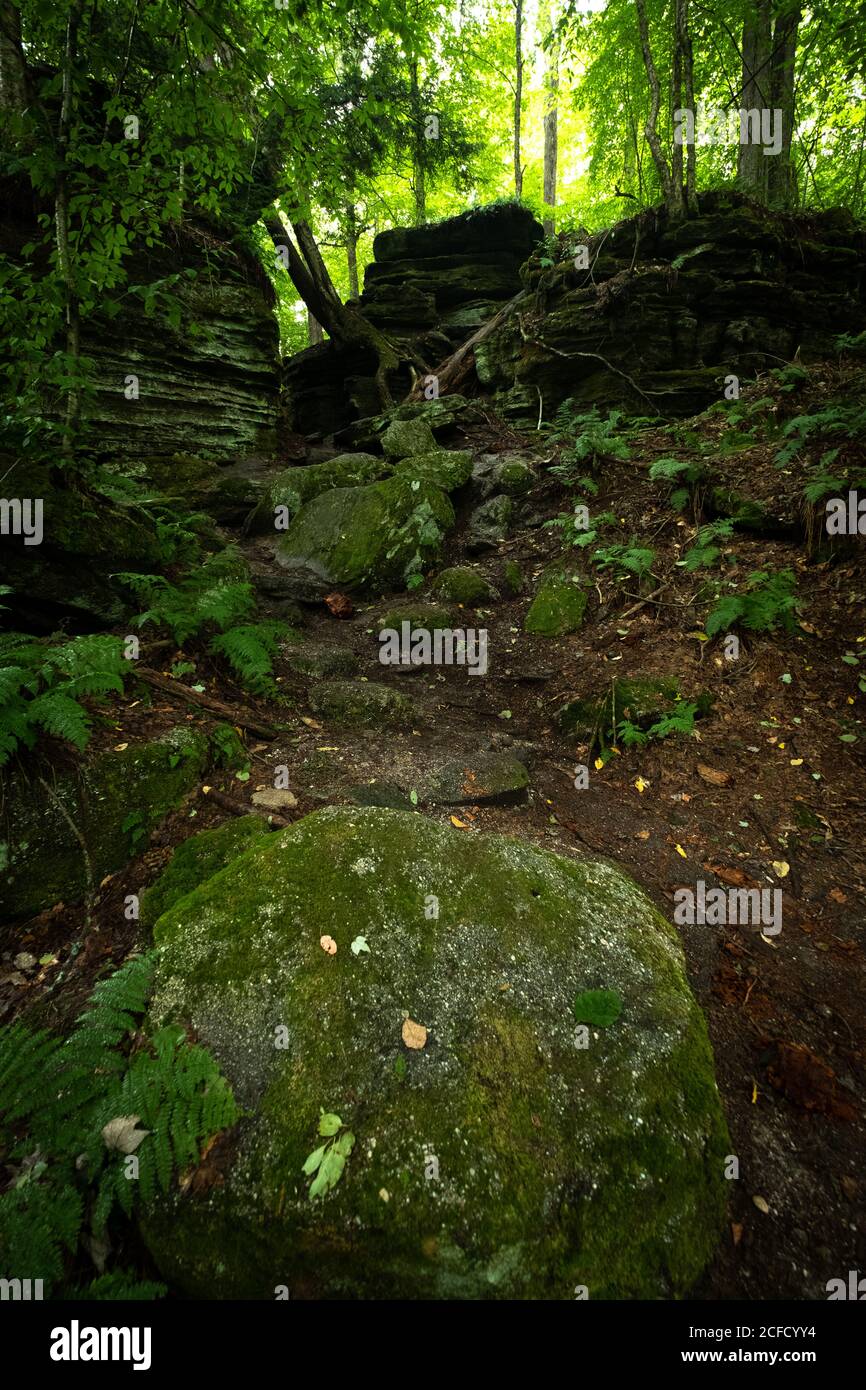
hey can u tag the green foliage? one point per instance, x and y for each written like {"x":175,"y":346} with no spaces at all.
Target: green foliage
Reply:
{"x":766,"y":602}
{"x":77,"y":1118}
{"x":573,"y":530}
{"x":250,"y":648}
{"x":586,"y":438}
{"x":328,"y":1161}
{"x":705,"y":552}
{"x":42,"y":686}
{"x":837,"y":418}
{"x":630,"y":558}
{"x":679,"y":720}
{"x":598,"y":1007}
{"x":678,"y":471}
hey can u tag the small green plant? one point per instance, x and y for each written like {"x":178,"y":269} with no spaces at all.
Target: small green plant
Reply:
{"x":598,"y":1007}
{"x":681,"y":477}
{"x":575,"y":532}
{"x":586,"y":437}
{"x":766,"y":601}
{"x":42,"y":686}
{"x":77,"y":1118}
{"x":679,"y":720}
{"x":629,"y":559}
{"x":704,"y":553}
{"x":328,"y":1161}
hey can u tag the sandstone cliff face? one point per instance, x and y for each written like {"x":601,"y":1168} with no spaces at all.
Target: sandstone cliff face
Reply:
{"x":210,"y":384}
{"x":433,"y":286}
{"x":666,"y":312}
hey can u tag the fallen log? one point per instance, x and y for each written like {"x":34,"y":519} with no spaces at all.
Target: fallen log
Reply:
{"x":451,"y":371}
{"x":243,"y":718}
{"x":240,"y":808}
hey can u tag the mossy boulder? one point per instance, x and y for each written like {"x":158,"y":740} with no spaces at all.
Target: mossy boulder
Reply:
{"x":197,"y":860}
{"x":493,"y":779}
{"x":366,"y":703}
{"x":422,"y":617}
{"x":513,"y":477}
{"x":319,"y":659}
{"x":294,"y":486}
{"x":559,"y":603}
{"x":446,"y":468}
{"x":489,"y":524}
{"x":370,"y":536}
{"x":113,"y":801}
{"x":404,"y":438}
{"x":513,"y":582}
{"x":514,"y":1154}
{"x":462,"y":584}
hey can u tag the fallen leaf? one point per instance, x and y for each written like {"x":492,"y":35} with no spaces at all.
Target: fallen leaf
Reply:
{"x":121,"y":1134}
{"x":359,"y":945}
{"x":736,"y":1233}
{"x":414,"y":1034}
{"x":642,"y":835}
{"x":713,"y":775}
{"x":736,"y":877}
{"x":461,"y":824}
{"x":680,"y":851}
{"x":310,"y":723}
{"x":762,"y":1204}
{"x":339,"y":604}
{"x":599,"y":764}
{"x":640,"y":785}
{"x":781,"y":867}
{"x":119,"y":747}
{"x":328,"y":944}
{"x":837,"y":896}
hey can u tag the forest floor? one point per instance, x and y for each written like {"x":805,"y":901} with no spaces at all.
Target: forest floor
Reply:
{"x":765,"y":794}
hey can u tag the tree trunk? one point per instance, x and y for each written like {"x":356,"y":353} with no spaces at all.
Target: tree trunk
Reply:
{"x":518,"y":94}
{"x":343,"y":322}
{"x":684,"y":42}
{"x":673,"y":192}
{"x":352,"y":251}
{"x":419,"y":180}
{"x":14,"y":86}
{"x":314,"y":331}
{"x":61,"y":224}
{"x":551,"y":134}
{"x":754,"y":96}
{"x":782,"y":70}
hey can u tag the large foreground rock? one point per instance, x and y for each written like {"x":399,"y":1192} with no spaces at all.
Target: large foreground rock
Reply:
{"x":500,"y":1159}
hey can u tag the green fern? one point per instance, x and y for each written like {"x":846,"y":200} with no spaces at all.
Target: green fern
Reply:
{"x":42,"y":685}
{"x":250,"y":649}
{"x":73,"y":1114}
{"x":705,"y":552}
{"x":768,"y":601}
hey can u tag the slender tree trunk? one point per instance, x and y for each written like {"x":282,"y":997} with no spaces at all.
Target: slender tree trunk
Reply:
{"x":14,"y":86}
{"x":782,"y":71}
{"x":673,"y":193}
{"x":518,"y":94}
{"x":754,"y":96}
{"x":551,"y":132}
{"x":352,"y":251}
{"x":61,"y":225}
{"x":314,"y":330}
{"x":419,"y":180}
{"x":684,"y":43}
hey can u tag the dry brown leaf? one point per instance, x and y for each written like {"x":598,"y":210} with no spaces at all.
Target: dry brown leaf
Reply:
{"x":712,"y":774}
{"x":414,"y":1034}
{"x":762,"y":1204}
{"x":837,"y":896}
{"x":339,"y":604}
{"x":736,"y":1232}
{"x":328,"y":944}
{"x":310,"y":723}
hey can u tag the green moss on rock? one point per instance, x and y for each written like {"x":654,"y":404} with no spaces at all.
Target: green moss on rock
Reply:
{"x":559,"y":603}
{"x":359,"y":702}
{"x":366,"y":536}
{"x":295,"y":486}
{"x":113,"y":801}
{"x":556,"y":1163}
{"x":462,"y":584}
{"x":448,"y":469}
{"x":403,"y":438}
{"x":197,"y":860}
{"x":423,"y":617}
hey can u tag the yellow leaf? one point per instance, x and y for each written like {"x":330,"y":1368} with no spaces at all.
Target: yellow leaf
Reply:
{"x":781,"y":867}
{"x":640,"y":784}
{"x":461,"y":824}
{"x":205,"y":790}
{"x":414,"y":1034}
{"x":796,"y":762}
{"x":754,"y":1092}
{"x":599,"y":764}
{"x":119,"y":747}
{"x":679,"y":849}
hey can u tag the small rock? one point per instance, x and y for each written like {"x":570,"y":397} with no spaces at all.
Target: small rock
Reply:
{"x":275,"y":799}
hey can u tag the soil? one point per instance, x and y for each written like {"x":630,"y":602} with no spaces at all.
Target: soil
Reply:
{"x":764,"y":794}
